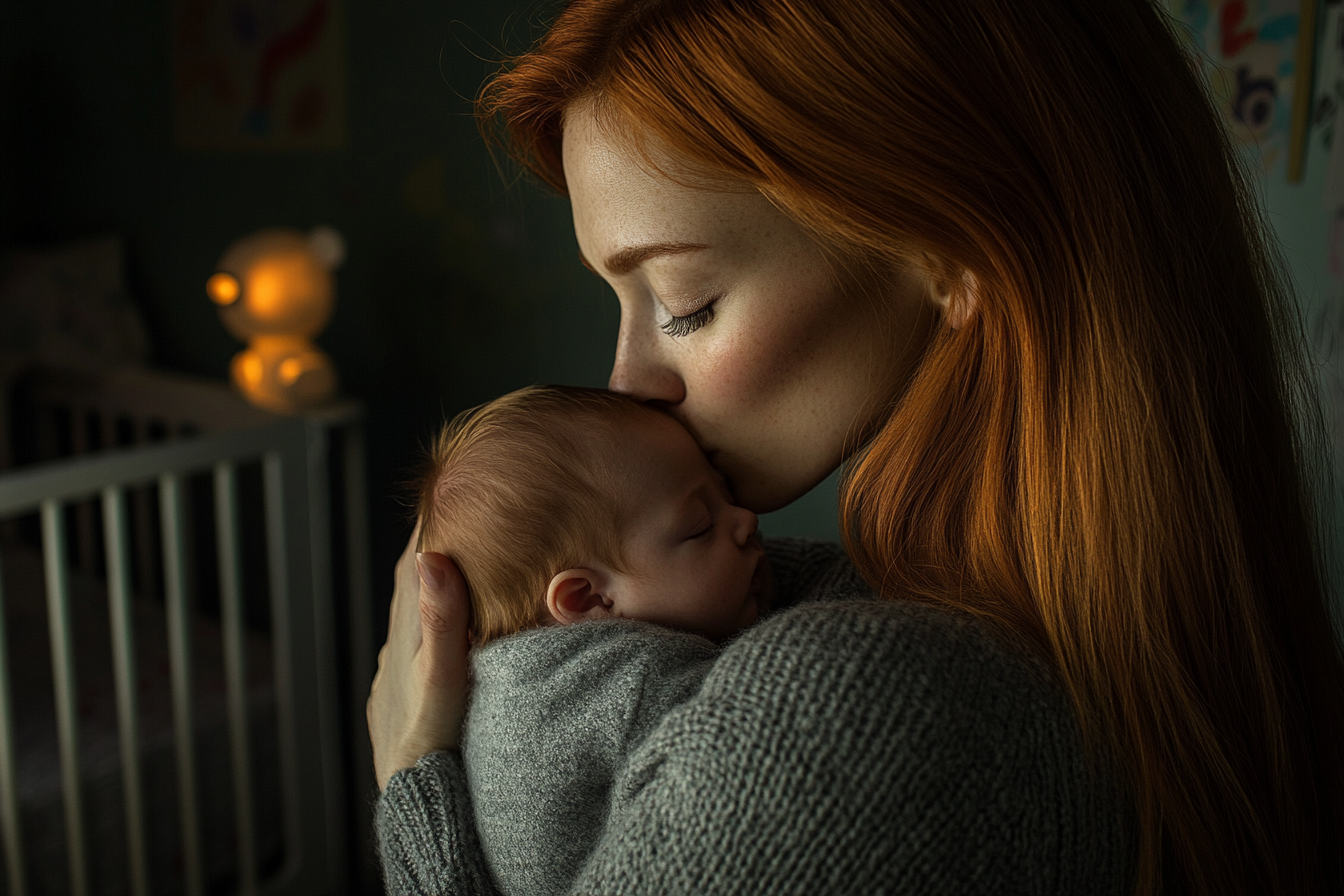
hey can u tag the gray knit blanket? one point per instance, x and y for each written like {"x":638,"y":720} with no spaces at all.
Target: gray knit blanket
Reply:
{"x":841,"y":746}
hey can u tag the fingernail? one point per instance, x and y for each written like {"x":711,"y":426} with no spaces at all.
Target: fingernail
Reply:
{"x":430,"y":574}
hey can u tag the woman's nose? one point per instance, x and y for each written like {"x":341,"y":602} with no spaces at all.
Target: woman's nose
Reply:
{"x":640,"y":370}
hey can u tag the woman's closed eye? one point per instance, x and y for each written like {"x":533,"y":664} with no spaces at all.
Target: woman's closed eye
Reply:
{"x":677,"y":327}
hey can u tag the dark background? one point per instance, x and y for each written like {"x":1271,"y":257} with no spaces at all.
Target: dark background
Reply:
{"x":455,"y":287}
{"x":461,"y":281}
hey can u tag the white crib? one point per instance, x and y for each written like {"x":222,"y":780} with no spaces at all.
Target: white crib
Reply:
{"x":160,"y":745}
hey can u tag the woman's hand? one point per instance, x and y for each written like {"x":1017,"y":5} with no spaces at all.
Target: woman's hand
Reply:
{"x":419,"y":693}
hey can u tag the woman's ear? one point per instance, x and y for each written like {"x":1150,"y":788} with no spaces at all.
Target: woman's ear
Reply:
{"x":955,"y":291}
{"x":576,"y":595}
{"x":960,"y":303}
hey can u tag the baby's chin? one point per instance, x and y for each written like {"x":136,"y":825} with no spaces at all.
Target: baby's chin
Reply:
{"x":759,"y":593}
{"x":762,"y":591}
{"x":750,"y":613}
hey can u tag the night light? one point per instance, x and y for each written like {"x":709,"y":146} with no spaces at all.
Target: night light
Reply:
{"x":223,"y":289}
{"x":275,"y":292}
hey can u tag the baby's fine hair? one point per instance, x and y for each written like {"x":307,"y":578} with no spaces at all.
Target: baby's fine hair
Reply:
{"x":521,"y":488}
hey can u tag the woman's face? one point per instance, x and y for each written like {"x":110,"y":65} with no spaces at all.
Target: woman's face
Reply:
{"x":733,"y":321}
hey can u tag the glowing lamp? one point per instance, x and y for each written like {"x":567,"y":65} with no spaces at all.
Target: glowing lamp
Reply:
{"x":275,"y":292}
{"x":223,"y":289}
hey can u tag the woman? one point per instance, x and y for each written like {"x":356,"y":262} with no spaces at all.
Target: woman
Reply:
{"x":1000,"y":256}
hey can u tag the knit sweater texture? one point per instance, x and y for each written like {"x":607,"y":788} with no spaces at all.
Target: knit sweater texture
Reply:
{"x":555,"y":714}
{"x":840,"y":746}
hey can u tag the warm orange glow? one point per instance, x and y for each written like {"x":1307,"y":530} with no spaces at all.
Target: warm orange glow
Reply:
{"x":280,"y":285}
{"x":290,"y":370}
{"x":266,"y":297}
{"x":277,"y":296}
{"x":251,"y":369}
{"x":223,"y":289}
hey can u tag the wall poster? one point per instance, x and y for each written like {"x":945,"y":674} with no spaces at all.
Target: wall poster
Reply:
{"x":1249,"y":49}
{"x":258,"y":74}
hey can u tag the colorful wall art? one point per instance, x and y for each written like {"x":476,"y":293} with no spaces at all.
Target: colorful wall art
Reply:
{"x":258,"y":74}
{"x":1249,"y":50}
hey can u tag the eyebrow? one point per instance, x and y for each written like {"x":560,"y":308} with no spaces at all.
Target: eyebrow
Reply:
{"x":626,"y":260}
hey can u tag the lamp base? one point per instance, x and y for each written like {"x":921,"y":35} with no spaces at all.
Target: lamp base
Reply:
{"x":284,"y":374}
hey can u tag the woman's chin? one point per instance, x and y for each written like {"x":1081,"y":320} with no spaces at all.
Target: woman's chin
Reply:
{"x":761,"y":492}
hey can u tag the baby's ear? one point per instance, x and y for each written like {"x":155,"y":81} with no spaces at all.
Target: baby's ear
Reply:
{"x":576,"y":595}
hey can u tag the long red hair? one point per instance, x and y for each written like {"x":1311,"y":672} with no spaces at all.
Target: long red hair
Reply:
{"x":1105,"y":460}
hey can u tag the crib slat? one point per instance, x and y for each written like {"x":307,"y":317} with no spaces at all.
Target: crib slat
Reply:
{"x":179,"y":652}
{"x":143,"y":509}
{"x":117,"y":550}
{"x":231,"y":606}
{"x":9,"y":791}
{"x":63,"y":671}
{"x":281,"y":542}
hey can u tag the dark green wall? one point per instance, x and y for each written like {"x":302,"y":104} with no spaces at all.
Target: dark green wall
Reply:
{"x":456,"y":288}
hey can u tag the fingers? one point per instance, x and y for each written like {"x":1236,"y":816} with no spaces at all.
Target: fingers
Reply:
{"x":444,"y":606}
{"x":445,"y":615}
{"x":406,"y":562}
{"x":403,"y":622}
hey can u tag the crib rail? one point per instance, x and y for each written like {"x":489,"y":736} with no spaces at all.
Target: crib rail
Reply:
{"x":301,"y":630}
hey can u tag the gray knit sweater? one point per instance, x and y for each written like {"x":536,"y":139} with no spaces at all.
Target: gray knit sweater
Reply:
{"x":555,"y":713}
{"x":838,"y":747}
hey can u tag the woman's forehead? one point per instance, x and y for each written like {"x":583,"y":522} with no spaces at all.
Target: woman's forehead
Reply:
{"x":623,"y":211}
{"x":617,"y":190}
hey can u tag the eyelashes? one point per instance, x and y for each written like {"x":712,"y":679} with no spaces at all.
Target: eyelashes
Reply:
{"x":678,"y":327}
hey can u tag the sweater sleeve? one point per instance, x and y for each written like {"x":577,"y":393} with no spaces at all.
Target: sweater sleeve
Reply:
{"x":427,"y":834}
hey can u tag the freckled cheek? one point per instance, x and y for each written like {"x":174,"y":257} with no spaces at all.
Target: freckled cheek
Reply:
{"x":730,"y":375}
{"x":744,"y":371}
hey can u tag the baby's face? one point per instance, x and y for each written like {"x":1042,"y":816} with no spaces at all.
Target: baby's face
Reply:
{"x":696,"y":563}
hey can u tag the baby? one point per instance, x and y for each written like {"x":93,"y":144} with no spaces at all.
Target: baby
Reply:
{"x":563,"y":505}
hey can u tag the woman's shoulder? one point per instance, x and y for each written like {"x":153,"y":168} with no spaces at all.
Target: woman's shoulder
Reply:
{"x":849,"y":653}
{"x":961,"y":754}
{"x":825,"y":611}
{"x":835,"y":639}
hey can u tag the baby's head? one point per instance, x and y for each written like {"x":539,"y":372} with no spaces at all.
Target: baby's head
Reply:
{"x":564,"y":504}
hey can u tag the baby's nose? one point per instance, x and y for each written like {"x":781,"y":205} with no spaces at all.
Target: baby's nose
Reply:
{"x":745,"y":526}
